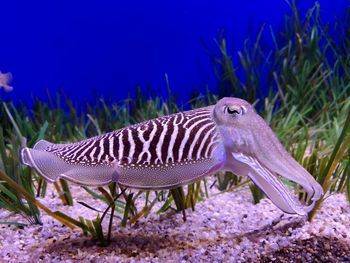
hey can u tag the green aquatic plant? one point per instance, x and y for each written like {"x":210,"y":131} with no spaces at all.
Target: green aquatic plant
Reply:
{"x":328,"y":175}
{"x":10,"y":164}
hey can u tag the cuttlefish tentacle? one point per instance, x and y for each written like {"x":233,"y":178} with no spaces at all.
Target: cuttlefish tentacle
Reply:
{"x":178,"y":149}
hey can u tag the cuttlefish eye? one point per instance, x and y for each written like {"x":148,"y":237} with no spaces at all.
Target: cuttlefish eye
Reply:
{"x":233,"y":110}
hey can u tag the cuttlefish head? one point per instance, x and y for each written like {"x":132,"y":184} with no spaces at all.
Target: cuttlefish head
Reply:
{"x":253,"y":150}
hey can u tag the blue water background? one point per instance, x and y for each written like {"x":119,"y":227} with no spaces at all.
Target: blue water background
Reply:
{"x":106,"y":48}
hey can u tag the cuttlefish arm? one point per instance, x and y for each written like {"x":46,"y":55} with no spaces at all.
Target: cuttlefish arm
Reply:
{"x":178,"y":149}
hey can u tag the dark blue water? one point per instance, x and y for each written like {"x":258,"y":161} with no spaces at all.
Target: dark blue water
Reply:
{"x":108,"y":47}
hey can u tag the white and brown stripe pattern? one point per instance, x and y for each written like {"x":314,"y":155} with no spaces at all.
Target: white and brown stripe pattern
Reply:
{"x":180,"y":138}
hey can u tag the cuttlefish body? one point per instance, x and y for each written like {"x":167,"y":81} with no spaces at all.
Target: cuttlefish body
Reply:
{"x":178,"y":149}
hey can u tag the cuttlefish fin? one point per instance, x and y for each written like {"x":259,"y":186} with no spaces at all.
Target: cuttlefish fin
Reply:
{"x":51,"y":167}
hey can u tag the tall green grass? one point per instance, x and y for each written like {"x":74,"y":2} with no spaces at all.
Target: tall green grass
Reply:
{"x":307,"y":76}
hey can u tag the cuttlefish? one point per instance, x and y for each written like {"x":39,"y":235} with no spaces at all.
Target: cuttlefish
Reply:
{"x":179,"y":149}
{"x":5,"y":79}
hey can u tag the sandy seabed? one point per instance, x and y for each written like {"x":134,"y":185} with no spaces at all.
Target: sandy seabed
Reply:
{"x":223,"y":228}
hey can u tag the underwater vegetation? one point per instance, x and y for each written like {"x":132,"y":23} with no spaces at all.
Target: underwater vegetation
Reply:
{"x":307,"y":76}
